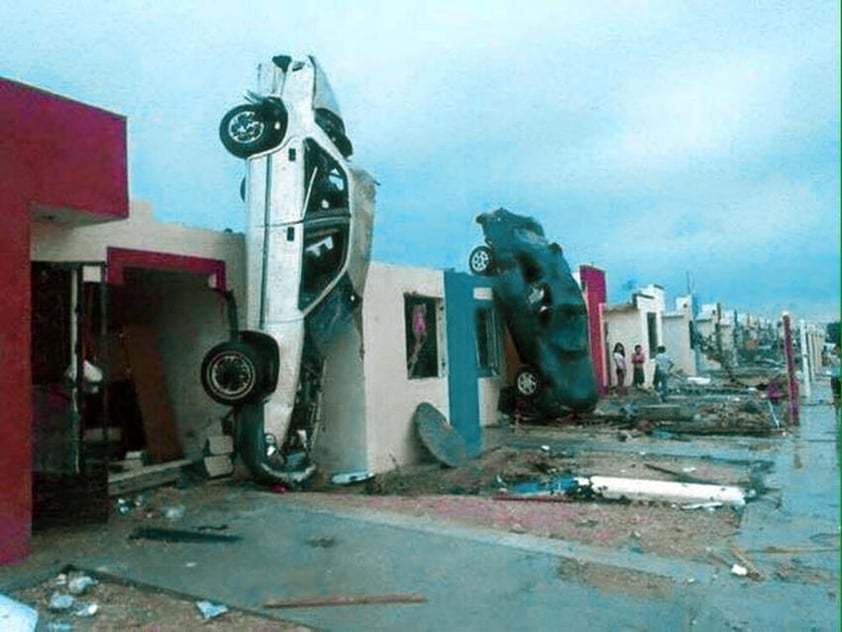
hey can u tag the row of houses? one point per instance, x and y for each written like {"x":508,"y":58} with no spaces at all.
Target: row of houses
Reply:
{"x":94,"y":283}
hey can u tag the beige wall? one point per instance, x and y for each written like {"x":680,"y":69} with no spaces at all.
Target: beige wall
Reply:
{"x":390,"y":396}
{"x":187,"y":317}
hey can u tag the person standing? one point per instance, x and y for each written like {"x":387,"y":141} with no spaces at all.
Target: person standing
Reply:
{"x":834,"y":362}
{"x":638,"y":359}
{"x":663,"y":366}
{"x":620,"y":368}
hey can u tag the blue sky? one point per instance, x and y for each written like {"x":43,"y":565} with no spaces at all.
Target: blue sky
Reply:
{"x":655,"y":140}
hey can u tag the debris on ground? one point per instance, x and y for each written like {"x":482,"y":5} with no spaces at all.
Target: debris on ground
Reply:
{"x":114,"y":604}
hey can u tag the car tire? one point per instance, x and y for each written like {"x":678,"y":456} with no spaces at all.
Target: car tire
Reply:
{"x":249,"y":129}
{"x":232,"y":373}
{"x":481,"y":261}
{"x":527,"y":382}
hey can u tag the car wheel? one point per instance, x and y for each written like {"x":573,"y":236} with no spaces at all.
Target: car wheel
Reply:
{"x":231,"y":373}
{"x":527,"y":382}
{"x":249,"y":129}
{"x":481,"y":260}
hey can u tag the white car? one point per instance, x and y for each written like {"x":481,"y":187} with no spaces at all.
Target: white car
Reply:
{"x":308,"y":244}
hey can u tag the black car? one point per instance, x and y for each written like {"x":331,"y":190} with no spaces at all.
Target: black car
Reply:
{"x":544,"y":310}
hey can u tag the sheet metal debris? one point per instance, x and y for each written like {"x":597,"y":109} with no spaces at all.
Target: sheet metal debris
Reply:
{"x":439,"y":437}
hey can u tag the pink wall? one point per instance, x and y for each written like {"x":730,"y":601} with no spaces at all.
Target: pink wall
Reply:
{"x":593,"y":282}
{"x":57,"y":154}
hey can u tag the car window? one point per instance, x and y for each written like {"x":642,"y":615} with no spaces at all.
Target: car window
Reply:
{"x":325,"y":245}
{"x":327,"y":182}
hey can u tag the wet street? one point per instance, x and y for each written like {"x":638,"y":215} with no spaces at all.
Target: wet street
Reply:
{"x":476,"y":578}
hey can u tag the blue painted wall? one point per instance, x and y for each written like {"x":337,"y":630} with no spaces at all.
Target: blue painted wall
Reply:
{"x":460,"y":308}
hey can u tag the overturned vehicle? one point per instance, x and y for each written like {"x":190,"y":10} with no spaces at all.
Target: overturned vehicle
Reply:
{"x":544,"y":310}
{"x":308,"y":243}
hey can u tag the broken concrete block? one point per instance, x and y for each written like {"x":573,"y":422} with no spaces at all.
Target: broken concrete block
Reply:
{"x":220,"y":444}
{"x":218,"y":465}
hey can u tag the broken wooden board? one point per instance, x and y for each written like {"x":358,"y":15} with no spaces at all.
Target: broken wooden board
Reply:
{"x":145,"y":477}
{"x":153,"y":399}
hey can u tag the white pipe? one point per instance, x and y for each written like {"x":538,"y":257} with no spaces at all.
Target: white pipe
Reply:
{"x":805,"y":360}
{"x":667,"y":491}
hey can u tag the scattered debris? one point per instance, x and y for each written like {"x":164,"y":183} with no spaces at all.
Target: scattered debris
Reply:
{"x":738,"y":570}
{"x":176,"y":512}
{"x":79,"y":585}
{"x":346,"y":600}
{"x":346,"y":478}
{"x":211,"y":610}
{"x":87,"y":610}
{"x":707,"y":505}
{"x":61,"y":601}
{"x":752,"y":572}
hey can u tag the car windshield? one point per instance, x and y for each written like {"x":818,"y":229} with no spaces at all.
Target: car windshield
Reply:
{"x":323,"y":98}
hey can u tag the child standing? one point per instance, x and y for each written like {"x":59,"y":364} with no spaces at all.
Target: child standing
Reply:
{"x":620,"y":368}
{"x":638,"y":359}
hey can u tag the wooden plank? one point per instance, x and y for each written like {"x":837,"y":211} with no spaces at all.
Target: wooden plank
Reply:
{"x":147,"y":373}
{"x":145,"y":477}
{"x":346,"y":600}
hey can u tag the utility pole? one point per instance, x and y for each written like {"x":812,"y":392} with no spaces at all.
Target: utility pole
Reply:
{"x":790,"y":369}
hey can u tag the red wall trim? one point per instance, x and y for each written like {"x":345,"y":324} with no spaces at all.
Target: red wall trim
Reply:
{"x":593,"y":281}
{"x":121,"y":258}
{"x":57,"y":153}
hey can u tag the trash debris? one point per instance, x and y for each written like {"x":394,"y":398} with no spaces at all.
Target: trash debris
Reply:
{"x":741,"y":571}
{"x":123,"y":506}
{"x":80,"y":584}
{"x":179,"y":535}
{"x":61,"y":601}
{"x":708,"y":505}
{"x":346,"y":478}
{"x":561,"y":485}
{"x":346,"y":600}
{"x":211,"y":610}
{"x":87,"y":610}
{"x":175,"y":513}
{"x":15,"y":616}
{"x":751,"y":571}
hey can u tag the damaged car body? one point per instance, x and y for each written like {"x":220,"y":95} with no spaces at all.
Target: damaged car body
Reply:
{"x":544,"y":309}
{"x":308,"y":243}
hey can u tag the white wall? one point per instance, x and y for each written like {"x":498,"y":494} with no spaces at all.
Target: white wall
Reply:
{"x":341,"y":445}
{"x":677,"y":341}
{"x":391,"y":398}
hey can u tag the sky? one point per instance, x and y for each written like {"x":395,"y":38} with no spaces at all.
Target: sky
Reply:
{"x":688,"y":144}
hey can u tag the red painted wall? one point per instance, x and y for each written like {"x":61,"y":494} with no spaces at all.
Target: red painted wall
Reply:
{"x":593,"y":281}
{"x":67,"y":156}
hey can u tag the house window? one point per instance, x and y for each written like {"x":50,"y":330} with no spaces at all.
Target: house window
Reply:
{"x":422,"y":353}
{"x":652,"y":331}
{"x":488,"y":342}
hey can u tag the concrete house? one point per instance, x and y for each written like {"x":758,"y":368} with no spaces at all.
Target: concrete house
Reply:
{"x":110,"y":312}
{"x":638,"y":322}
